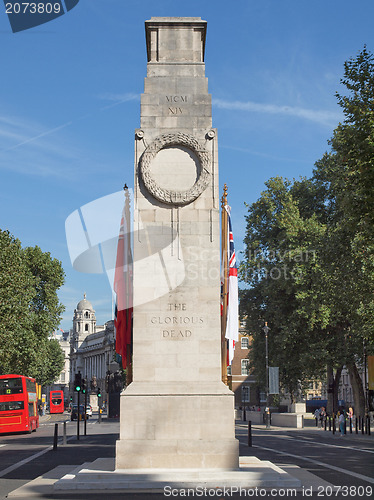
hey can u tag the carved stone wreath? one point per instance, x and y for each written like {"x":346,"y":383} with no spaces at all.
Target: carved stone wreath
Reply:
{"x":168,"y":195}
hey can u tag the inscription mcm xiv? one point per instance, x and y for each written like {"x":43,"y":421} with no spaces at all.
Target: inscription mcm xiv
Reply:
{"x":174,"y":110}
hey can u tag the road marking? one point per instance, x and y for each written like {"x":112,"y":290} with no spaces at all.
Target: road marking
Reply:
{"x":338,"y":446}
{"x":322,"y":464}
{"x":24,"y":461}
{"x":1,"y":445}
{"x":318,"y":443}
{"x":13,"y":467}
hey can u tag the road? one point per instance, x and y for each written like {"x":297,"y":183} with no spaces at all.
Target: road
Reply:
{"x":340,"y":460}
{"x":343,"y":461}
{"x":24,"y":457}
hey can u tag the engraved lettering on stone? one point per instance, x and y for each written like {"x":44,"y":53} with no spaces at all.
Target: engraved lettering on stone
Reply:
{"x":177,"y":320}
{"x":176,"y":334}
{"x":177,"y":307}
{"x":167,"y":195}
{"x":176,"y":111}
{"x":176,"y":98}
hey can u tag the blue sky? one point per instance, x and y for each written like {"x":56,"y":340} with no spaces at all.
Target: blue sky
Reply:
{"x":69,"y":104}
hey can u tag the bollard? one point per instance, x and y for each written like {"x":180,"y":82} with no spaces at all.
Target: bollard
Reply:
{"x":249,"y":433}
{"x":64,"y":441}
{"x":329,"y":424}
{"x":325,"y":423}
{"x":244,"y":415}
{"x":55,"y":437}
{"x":333,"y":424}
{"x":356,"y":424}
{"x":362,"y":425}
{"x":345,"y":427}
{"x":368,"y":426}
{"x":350,"y":426}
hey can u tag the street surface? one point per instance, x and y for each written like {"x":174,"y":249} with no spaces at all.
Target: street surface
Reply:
{"x":345,"y":461}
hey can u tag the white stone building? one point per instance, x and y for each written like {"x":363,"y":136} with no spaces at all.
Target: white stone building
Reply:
{"x":92,"y":348}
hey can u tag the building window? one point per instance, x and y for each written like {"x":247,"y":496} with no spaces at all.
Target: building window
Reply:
{"x":245,"y":394}
{"x":245,"y":343}
{"x":86,"y":314}
{"x":263,"y":397}
{"x":245,"y":366}
{"x":229,"y":370}
{"x":62,"y":377}
{"x":86,"y":327}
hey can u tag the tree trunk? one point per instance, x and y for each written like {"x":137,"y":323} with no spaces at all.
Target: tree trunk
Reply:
{"x":333,"y":389}
{"x":357,"y":389}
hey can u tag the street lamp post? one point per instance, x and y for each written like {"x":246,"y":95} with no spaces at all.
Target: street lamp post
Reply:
{"x":267,"y":411}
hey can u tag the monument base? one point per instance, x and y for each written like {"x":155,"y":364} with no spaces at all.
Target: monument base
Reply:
{"x":252,"y":473}
{"x":163,"y":427}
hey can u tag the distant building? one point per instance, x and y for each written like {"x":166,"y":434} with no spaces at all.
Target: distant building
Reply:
{"x":92,"y":348}
{"x":62,"y":383}
{"x":243,"y":383}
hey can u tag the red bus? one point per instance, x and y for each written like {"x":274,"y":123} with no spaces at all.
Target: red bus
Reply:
{"x":56,"y":402}
{"x":18,"y":404}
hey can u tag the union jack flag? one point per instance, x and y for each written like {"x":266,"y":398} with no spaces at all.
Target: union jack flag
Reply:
{"x":232,"y":325}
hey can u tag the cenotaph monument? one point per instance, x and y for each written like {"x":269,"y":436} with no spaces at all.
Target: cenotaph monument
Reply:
{"x":176,"y":413}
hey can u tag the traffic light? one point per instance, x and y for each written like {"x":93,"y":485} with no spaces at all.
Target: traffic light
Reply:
{"x":78,"y":382}
{"x":98,"y":392}
{"x":84,"y":386}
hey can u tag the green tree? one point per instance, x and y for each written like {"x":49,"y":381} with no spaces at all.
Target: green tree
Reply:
{"x":49,"y":362}
{"x":323,"y":313}
{"x":29,"y":310}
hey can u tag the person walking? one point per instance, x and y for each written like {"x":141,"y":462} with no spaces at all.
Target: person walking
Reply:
{"x":317,"y":417}
{"x":322,"y":417}
{"x":350,"y":417}
{"x":341,"y":421}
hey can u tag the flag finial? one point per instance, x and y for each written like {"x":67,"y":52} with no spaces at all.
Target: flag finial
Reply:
{"x":224,"y":196}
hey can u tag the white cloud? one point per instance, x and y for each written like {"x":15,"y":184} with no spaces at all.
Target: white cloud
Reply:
{"x":322,"y":117}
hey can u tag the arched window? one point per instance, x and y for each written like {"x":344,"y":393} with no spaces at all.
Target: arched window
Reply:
{"x":86,"y":327}
{"x":87,"y":315}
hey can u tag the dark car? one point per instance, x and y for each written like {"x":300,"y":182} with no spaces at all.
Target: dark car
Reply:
{"x":74,"y":412}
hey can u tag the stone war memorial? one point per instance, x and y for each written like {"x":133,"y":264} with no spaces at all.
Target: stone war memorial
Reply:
{"x":177,"y":425}
{"x":167,"y":411}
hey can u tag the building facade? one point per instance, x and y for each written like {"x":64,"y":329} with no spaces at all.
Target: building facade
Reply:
{"x":92,"y":350}
{"x":242,"y":381}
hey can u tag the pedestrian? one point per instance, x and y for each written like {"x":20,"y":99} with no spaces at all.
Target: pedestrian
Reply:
{"x":316,"y":416}
{"x":341,"y":421}
{"x":322,"y":417}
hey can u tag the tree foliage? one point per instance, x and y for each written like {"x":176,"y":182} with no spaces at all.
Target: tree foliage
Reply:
{"x":29,"y":311}
{"x":309,"y":261}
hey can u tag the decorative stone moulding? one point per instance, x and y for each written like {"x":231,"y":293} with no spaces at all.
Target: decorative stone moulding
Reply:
{"x":167,"y":195}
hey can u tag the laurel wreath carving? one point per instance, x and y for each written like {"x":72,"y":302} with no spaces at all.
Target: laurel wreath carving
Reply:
{"x":167,"y":195}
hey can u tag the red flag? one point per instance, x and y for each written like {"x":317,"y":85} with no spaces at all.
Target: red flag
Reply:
{"x":123,"y":288}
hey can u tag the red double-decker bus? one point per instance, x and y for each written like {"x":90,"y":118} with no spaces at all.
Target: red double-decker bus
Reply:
{"x":56,"y":402}
{"x":18,"y":404}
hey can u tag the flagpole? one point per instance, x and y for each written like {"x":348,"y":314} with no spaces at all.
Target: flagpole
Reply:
{"x":129,"y":286}
{"x":224,"y":225}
